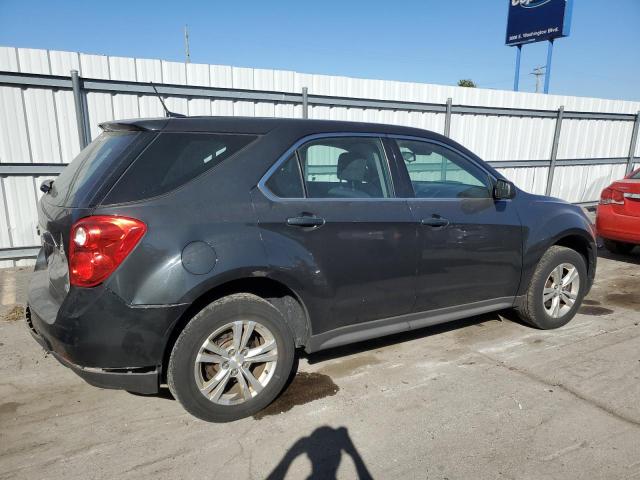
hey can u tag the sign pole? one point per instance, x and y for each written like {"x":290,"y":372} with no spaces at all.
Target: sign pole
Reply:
{"x":516,"y":80}
{"x":547,"y":76}
{"x":531,"y":21}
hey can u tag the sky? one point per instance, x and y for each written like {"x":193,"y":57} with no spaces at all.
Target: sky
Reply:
{"x":431,"y":41}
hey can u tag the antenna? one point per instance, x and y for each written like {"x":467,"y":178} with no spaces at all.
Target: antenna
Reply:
{"x":538,"y":72}
{"x":167,"y":112}
{"x":187,"y":53}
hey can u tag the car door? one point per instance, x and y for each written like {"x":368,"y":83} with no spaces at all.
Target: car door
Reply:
{"x":334,"y":230}
{"x":470,"y":245}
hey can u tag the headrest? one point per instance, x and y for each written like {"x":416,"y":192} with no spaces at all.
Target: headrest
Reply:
{"x":352,"y":167}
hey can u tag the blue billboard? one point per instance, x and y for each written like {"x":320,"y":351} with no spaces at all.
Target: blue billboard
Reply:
{"x":538,"y":20}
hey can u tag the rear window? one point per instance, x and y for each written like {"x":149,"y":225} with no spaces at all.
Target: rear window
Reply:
{"x":636,"y":176}
{"x":79,"y":182}
{"x":172,"y":160}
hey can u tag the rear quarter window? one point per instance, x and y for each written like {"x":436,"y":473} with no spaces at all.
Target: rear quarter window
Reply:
{"x":172,"y":160}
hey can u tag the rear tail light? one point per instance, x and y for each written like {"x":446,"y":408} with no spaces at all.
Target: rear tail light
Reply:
{"x":98,"y":245}
{"x":611,"y":196}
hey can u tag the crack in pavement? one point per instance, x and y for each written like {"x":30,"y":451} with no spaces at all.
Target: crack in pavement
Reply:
{"x":585,"y":399}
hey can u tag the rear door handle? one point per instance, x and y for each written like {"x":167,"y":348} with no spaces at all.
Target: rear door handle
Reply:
{"x":435,"y":222}
{"x":305,"y":221}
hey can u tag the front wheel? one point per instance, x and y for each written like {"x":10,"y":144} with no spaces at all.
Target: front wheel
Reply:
{"x":556,"y":290}
{"x":232,"y":359}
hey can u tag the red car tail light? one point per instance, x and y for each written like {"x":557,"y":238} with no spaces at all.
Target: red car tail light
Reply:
{"x":98,"y":245}
{"x":611,"y":196}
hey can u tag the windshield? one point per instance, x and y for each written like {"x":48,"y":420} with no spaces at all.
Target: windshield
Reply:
{"x":636,"y":176}
{"x":85,"y":173}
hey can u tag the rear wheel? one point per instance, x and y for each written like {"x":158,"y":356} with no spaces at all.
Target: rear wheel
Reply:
{"x":232,"y":359}
{"x":621,"y":248}
{"x":556,"y":290}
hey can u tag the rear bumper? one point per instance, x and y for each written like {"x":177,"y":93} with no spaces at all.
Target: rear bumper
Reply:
{"x":133,"y":380}
{"x":613,"y":226}
{"x":102,"y":339}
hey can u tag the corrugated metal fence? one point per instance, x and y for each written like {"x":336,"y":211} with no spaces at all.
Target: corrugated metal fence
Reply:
{"x":570,"y":147}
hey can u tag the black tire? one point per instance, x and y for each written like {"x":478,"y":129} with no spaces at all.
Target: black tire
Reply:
{"x":531,"y":309}
{"x":619,"y":248}
{"x":180,"y":371}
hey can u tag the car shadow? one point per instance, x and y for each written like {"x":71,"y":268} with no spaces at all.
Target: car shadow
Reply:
{"x":163,"y":393}
{"x":409,"y":335}
{"x":324,"y":449}
{"x":633,"y":257}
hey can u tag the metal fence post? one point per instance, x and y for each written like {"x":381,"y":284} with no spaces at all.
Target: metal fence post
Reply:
{"x":447,"y":118}
{"x":77,"y":99}
{"x":554,"y":150}
{"x":632,"y":145}
{"x":305,"y":102}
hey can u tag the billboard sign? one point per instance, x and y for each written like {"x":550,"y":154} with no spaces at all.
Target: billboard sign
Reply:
{"x":538,"y":20}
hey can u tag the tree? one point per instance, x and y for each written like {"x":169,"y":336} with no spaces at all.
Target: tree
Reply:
{"x":467,"y":83}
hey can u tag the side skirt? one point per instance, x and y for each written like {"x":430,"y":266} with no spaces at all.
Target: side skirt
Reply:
{"x":402,"y":323}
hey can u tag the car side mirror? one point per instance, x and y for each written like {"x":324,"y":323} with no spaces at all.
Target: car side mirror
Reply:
{"x":503,"y":190}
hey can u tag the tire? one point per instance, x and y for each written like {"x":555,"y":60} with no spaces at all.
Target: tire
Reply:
{"x":620,"y":248}
{"x":186,"y":376}
{"x":533,"y":309}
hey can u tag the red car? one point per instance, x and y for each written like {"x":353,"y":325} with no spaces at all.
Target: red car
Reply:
{"x":618,"y":217}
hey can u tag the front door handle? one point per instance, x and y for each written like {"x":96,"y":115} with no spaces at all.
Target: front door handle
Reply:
{"x":305,"y":221}
{"x":435,"y":222}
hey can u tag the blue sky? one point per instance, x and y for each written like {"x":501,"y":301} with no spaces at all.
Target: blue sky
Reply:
{"x":433,"y":41}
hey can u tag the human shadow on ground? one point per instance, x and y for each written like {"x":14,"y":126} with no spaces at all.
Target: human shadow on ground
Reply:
{"x":324,"y":448}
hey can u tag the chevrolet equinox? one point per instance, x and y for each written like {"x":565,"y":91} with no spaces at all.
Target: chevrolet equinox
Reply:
{"x":202,"y":252}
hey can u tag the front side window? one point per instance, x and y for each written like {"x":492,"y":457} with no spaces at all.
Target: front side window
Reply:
{"x":345,"y":167}
{"x":439,"y":172}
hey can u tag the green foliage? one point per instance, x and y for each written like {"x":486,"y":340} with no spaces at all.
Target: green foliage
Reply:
{"x":467,"y":83}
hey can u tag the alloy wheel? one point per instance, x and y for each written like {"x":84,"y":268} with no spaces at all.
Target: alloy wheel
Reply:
{"x":561,"y":290}
{"x":236,"y":362}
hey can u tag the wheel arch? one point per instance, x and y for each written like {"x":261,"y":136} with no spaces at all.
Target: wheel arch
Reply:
{"x":577,"y":239}
{"x":581,"y":245}
{"x":280,"y":295}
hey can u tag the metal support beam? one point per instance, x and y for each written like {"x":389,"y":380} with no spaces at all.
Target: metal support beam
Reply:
{"x":53,"y":169}
{"x":547,"y":71}
{"x":554,"y":150}
{"x":31,"y":169}
{"x":18,"y":253}
{"x":516,"y":80}
{"x":79,"y":104}
{"x":634,"y":142}
{"x":28,"y":80}
{"x":305,"y":102}
{"x":447,"y":119}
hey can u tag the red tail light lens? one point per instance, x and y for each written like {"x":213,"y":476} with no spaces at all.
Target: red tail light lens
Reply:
{"x":98,"y":245}
{"x":610,"y":196}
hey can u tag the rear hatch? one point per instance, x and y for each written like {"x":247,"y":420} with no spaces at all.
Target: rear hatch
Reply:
{"x":75,"y":193}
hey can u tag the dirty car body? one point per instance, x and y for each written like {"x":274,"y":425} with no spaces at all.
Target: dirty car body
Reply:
{"x":344,"y":248}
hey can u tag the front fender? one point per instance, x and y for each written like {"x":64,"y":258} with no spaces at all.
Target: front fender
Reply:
{"x":548,"y":222}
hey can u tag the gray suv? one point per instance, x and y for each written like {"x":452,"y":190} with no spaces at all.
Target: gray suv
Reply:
{"x":202,"y":252}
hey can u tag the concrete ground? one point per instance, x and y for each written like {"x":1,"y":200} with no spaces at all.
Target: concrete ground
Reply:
{"x":482,"y":398}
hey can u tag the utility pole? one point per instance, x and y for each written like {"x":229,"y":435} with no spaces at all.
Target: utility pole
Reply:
{"x":538,"y":72}
{"x":186,"y":44}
